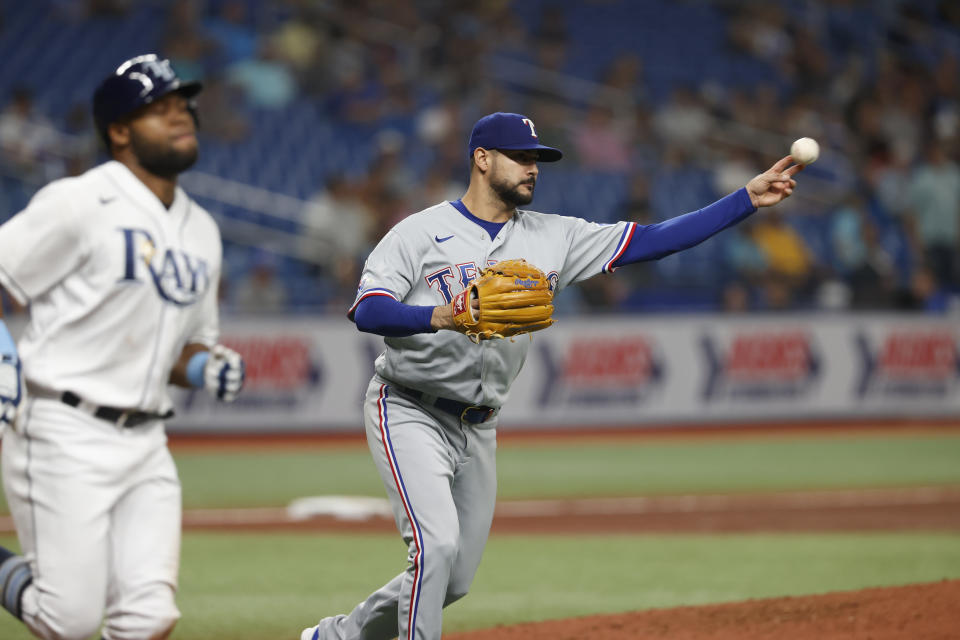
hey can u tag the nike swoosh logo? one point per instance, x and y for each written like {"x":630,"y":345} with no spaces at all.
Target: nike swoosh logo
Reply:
{"x":105,"y":200}
{"x":439,"y":239}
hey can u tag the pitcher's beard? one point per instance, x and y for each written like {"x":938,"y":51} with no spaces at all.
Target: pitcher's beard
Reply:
{"x":512,"y":195}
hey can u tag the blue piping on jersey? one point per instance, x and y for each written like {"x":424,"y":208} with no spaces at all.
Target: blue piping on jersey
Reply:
{"x":418,"y":560}
{"x":366,"y":294}
{"x":625,"y":238}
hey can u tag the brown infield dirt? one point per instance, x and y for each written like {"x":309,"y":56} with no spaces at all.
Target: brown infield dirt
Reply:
{"x":911,"y":612}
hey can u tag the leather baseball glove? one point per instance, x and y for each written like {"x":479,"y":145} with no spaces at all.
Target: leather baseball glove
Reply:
{"x":514,"y":297}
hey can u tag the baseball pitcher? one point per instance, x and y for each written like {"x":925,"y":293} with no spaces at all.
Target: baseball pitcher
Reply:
{"x":120,"y":269}
{"x":453,"y":289}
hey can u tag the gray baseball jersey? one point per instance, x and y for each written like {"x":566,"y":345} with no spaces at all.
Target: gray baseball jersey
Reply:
{"x":437,"y":465}
{"x":430,"y":256}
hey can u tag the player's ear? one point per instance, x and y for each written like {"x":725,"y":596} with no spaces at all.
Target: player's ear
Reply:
{"x":119,"y":135}
{"x":481,"y":158}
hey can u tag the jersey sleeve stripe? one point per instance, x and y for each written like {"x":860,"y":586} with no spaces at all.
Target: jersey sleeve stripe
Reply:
{"x":625,"y":238}
{"x":367,"y":294}
{"x":13,"y":288}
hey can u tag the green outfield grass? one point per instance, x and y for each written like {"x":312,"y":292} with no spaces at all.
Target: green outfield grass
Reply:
{"x":602,"y":468}
{"x":249,"y":586}
{"x":557,"y":468}
{"x":260,"y":587}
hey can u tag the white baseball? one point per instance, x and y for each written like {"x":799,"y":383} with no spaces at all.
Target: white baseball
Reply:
{"x":805,"y":150}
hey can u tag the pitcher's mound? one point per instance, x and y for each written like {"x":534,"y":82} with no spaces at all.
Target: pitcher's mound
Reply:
{"x":928,"y":611}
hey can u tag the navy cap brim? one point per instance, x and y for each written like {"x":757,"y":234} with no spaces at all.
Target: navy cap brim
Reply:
{"x":189,"y":89}
{"x":547,"y":154}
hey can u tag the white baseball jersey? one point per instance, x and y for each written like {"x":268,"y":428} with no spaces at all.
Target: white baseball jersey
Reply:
{"x":117,"y":285}
{"x":430,"y":256}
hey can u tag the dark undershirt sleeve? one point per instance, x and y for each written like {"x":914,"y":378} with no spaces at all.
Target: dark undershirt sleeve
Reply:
{"x":385,"y":316}
{"x":655,"y":241}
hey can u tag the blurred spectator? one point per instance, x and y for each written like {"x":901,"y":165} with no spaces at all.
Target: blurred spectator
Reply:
{"x":872,"y":83}
{"x":735,"y":298}
{"x":397,"y":106}
{"x":683,"y":120}
{"x":442,"y":129}
{"x":924,"y":293}
{"x":552,"y":37}
{"x":790,"y":270}
{"x":804,"y":116}
{"x":439,"y":184}
{"x":29,"y":144}
{"x":233,"y":33}
{"x":353,"y":97}
{"x":602,"y":293}
{"x":808,"y":61}
{"x":859,"y":257}
{"x":80,"y":141}
{"x":184,"y":43}
{"x":785,"y":251}
{"x":946,"y":104}
{"x":335,"y":223}
{"x":832,"y":294}
{"x":550,"y":47}
{"x":389,"y":168}
{"x":886,"y":178}
{"x":759,"y":30}
{"x":934,"y":213}
{"x":298,"y":42}
{"x":601,"y":141}
{"x":219,"y":110}
{"x":744,"y":259}
{"x":623,"y":80}
{"x":436,"y":123}
{"x":510,"y":35}
{"x":737,"y":169}
{"x":261,"y":290}
{"x":758,"y":106}
{"x":267,"y":82}
{"x":903,"y":101}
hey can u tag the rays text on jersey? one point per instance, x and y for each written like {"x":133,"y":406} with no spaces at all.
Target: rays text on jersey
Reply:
{"x":178,"y":277}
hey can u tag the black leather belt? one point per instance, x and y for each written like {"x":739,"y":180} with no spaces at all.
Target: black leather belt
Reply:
{"x":120,"y":417}
{"x":472,"y":413}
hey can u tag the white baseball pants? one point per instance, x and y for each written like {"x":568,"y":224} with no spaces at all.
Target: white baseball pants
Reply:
{"x":97,"y":510}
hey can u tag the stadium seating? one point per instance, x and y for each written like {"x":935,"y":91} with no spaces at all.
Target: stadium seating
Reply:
{"x":294,"y":150}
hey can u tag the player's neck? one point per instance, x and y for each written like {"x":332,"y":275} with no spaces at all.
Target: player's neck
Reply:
{"x":163,"y":187}
{"x":487,"y":206}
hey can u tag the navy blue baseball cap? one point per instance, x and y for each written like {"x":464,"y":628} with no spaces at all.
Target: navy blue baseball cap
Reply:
{"x":509,"y":131}
{"x":135,"y":83}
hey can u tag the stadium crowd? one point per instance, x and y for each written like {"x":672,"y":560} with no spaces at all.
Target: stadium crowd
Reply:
{"x":877,"y":226}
